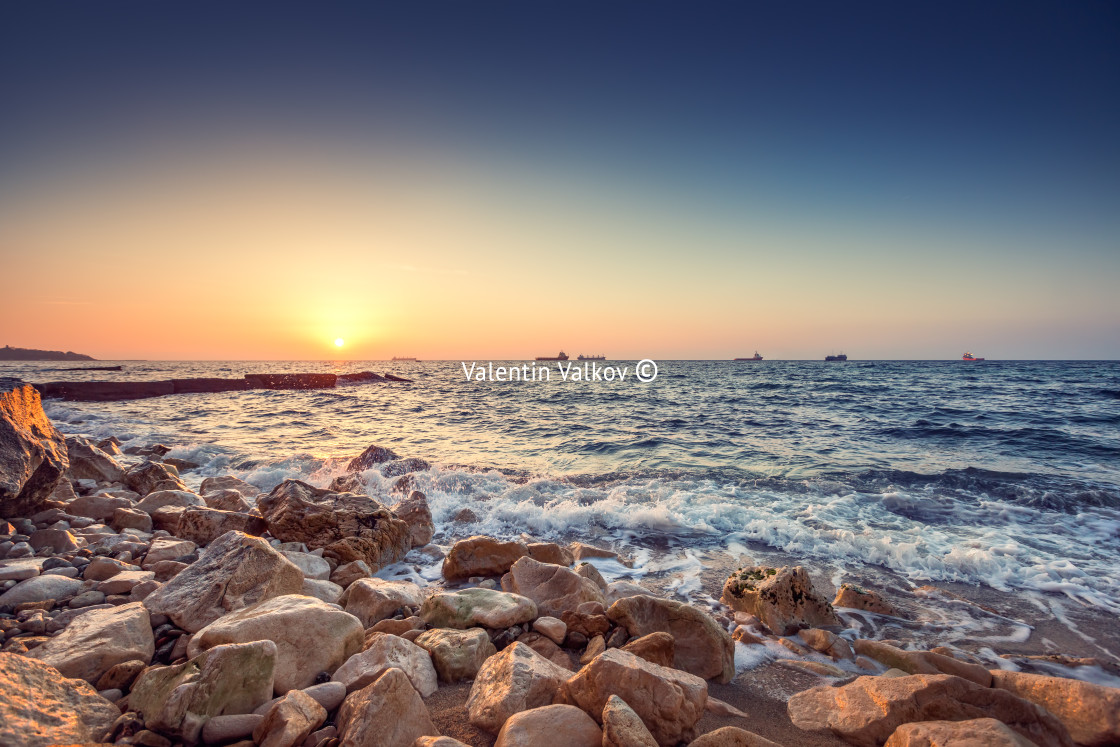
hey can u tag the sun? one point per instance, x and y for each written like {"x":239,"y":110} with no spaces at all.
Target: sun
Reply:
{"x":339,"y":342}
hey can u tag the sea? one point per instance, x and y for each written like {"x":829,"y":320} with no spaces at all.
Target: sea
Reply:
{"x":997,"y":474}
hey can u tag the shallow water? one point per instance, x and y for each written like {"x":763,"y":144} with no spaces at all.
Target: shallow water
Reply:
{"x":1006,"y":474}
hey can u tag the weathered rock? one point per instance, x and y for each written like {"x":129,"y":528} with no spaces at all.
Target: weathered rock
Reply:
{"x":372,"y":600}
{"x":204,"y":525}
{"x":234,"y":571}
{"x":167,"y":548}
{"x":554,"y":588}
{"x":826,"y":642}
{"x":325,"y":590}
{"x":149,"y":477}
{"x":621,"y":589}
{"x":228,"y":482}
{"x":99,"y":506}
{"x":88,"y":462}
{"x":130,"y":518}
{"x":101,"y":569}
{"x":384,"y":652}
{"x":58,"y":541}
{"x":658,"y":648}
{"x":547,"y":649}
{"x":581,"y":552}
{"x":471,"y":607}
{"x":348,"y":573}
{"x":701,"y":646}
{"x":311,"y":636}
{"x":313,"y":567}
{"x":347,"y":526}
{"x":854,"y":597}
{"x":977,"y":732}
{"x":124,"y":583}
{"x":668,"y":701}
{"x":731,"y":736}
{"x":590,"y":572}
{"x":388,"y":713}
{"x":868,"y":710}
{"x":546,"y":724}
{"x":622,"y":727}
{"x":372,"y":456}
{"x":120,"y":676}
{"x":922,"y":662}
{"x":550,"y":552}
{"x":99,"y":640}
{"x":170,"y":498}
{"x":515,"y":680}
{"x":226,"y":680}
{"x":290,"y":721}
{"x":456,"y":654}
{"x":398,"y":627}
{"x":39,"y":707}
{"x":227,"y":499}
{"x":783,"y":598}
{"x":1090,"y":712}
{"x":553,"y":629}
{"x":481,"y":556}
{"x":414,"y":511}
{"x":33,"y":453}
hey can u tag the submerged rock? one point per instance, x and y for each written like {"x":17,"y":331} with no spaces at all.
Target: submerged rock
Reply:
{"x":782,"y":598}
{"x":40,"y":707}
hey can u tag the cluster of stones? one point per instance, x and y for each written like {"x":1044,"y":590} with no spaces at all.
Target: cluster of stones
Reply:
{"x":136,"y":611}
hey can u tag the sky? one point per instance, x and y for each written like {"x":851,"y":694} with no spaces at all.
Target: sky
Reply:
{"x":472,"y":180}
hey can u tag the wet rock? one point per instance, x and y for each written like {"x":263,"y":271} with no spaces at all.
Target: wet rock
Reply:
{"x":827,"y":643}
{"x":372,"y":600}
{"x":311,"y":636}
{"x":204,"y":525}
{"x":347,"y":526}
{"x":384,"y":652}
{"x":581,"y":552}
{"x":554,"y":588}
{"x":399,"y":467}
{"x":477,"y":607}
{"x":227,"y":680}
{"x":868,"y":710}
{"x":550,"y":552}
{"x":622,"y":727}
{"x":456,"y":654}
{"x":985,"y":732}
{"x":853,"y":597}
{"x":290,"y":721}
{"x":150,"y":477}
{"x":591,"y":573}
{"x":1090,"y":712}
{"x":88,"y":462}
{"x":388,"y":713}
{"x":731,"y":736}
{"x":40,"y":707}
{"x":414,"y":511}
{"x":371,"y":457}
{"x":783,"y":598}
{"x":33,"y":455}
{"x":99,"y":640}
{"x":515,"y":680}
{"x":668,"y":701}
{"x":543,"y":725}
{"x":235,"y":571}
{"x":922,"y":662}
{"x":701,"y":646}
{"x":481,"y":556}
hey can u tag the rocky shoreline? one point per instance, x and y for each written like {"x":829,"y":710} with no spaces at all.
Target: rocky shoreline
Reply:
{"x":135,"y":610}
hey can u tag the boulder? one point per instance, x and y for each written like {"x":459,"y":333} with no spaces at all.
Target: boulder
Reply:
{"x":384,"y":652}
{"x":515,"y":680}
{"x":173,"y":498}
{"x":372,"y":600}
{"x":668,"y":701}
{"x":701,"y":646}
{"x":825,"y":642}
{"x":853,"y":597}
{"x":328,"y":694}
{"x":657,"y":648}
{"x":40,"y":707}
{"x":481,"y":556}
{"x":550,"y":552}
{"x":33,"y":454}
{"x":622,"y":727}
{"x":97,"y":641}
{"x":226,"y":680}
{"x":40,"y":588}
{"x":234,"y":571}
{"x":228,"y":482}
{"x":347,"y":526}
{"x":311,"y":636}
{"x":732,"y":736}
{"x":590,"y":572}
{"x":372,"y":456}
{"x":150,"y":477}
{"x":456,"y":654}
{"x":58,"y":541}
{"x":543,"y":725}
{"x":869,"y":709}
{"x":471,"y":607}
{"x":348,"y":573}
{"x":204,"y":525}
{"x":290,"y":721}
{"x":100,"y":506}
{"x":580,"y":552}
{"x":621,"y":589}
{"x":921,"y":662}
{"x":124,"y":583}
{"x":121,"y":676}
{"x":227,"y":500}
{"x":554,"y":588}
{"x":387,"y":713}
{"x":88,"y":462}
{"x":130,"y":518}
{"x":103,"y":568}
{"x":414,"y":511}
{"x":1090,"y":712}
{"x":782,"y":598}
{"x":977,"y":732}
{"x":167,"y":548}
{"x":20,"y":569}
{"x":325,"y":590}
{"x":551,"y":628}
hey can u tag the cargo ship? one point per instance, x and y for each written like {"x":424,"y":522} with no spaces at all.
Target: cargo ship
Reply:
{"x":970,"y":357}
{"x":840,"y":357}
{"x":562,"y":356}
{"x":403,"y":359}
{"x":755,"y":357}
{"x":589,"y":357}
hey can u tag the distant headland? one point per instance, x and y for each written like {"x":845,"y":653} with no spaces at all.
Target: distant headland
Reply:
{"x":8,"y":353}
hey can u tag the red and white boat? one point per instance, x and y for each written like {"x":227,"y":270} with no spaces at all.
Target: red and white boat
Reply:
{"x":970,"y":357}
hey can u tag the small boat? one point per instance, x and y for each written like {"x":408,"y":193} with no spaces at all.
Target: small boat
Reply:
{"x":589,"y":357}
{"x":971,"y":358}
{"x":755,"y":357}
{"x":561,"y":357}
{"x":840,"y":357}
{"x":396,"y":358}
